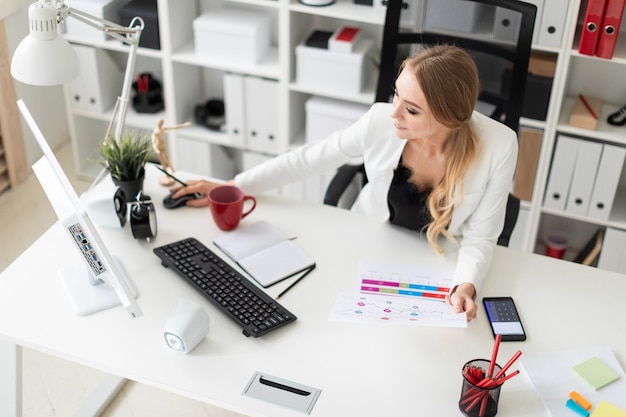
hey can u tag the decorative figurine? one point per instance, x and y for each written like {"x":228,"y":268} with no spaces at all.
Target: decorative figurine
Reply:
{"x":160,"y":147}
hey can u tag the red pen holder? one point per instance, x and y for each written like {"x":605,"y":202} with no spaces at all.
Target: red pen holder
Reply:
{"x":479,"y":397}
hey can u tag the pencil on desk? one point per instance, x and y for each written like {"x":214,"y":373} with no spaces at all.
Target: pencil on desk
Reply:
{"x":295,"y":282}
{"x":588,"y":106}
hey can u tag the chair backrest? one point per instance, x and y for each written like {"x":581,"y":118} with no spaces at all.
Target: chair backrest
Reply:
{"x":514,"y":55}
{"x":507,"y":100}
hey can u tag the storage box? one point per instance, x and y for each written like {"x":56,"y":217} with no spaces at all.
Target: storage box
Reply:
{"x":334,"y":71}
{"x":325,"y":116}
{"x":240,"y":36}
{"x":105,"y":9}
{"x":147,"y":10}
{"x":582,"y":113}
{"x":344,"y":39}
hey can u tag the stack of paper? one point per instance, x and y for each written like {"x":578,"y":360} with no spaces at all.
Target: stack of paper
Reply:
{"x":592,"y":372}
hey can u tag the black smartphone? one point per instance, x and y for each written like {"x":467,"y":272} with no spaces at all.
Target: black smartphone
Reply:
{"x":504,"y":319}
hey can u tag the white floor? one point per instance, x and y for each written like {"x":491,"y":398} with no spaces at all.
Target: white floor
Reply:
{"x":54,"y":387}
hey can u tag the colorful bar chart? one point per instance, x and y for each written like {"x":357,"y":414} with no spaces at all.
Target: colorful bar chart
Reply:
{"x":403,"y":280}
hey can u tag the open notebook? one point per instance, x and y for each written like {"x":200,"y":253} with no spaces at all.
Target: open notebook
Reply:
{"x":264,"y":253}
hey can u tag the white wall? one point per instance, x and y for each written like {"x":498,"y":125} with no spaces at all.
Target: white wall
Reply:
{"x":47,"y":104}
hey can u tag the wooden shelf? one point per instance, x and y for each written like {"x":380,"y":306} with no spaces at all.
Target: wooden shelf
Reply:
{"x":13,"y":165}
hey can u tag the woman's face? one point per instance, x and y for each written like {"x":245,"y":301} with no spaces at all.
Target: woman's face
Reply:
{"x":411,"y":115}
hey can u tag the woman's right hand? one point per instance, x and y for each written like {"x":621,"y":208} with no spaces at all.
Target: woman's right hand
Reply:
{"x":203,"y":187}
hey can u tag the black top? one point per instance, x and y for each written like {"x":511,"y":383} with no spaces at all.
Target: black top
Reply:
{"x":407,"y":203}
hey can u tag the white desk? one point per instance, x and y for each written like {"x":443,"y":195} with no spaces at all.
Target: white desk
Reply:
{"x":363,"y":370}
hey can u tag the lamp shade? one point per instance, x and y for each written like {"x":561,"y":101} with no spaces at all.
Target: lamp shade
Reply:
{"x":44,"y":57}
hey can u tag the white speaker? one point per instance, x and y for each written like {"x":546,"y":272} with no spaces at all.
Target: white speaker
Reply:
{"x":187,"y":325}
{"x":104,"y":207}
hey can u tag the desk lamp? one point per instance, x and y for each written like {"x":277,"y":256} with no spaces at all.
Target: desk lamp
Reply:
{"x":45,"y":58}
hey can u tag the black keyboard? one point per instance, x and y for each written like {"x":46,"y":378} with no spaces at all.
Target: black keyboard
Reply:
{"x":228,"y":289}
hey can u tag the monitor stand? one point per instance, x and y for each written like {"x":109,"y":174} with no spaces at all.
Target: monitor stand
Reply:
{"x":88,"y":298}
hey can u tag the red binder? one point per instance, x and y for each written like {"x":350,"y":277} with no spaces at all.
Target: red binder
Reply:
{"x":610,"y":28}
{"x":591,"y":27}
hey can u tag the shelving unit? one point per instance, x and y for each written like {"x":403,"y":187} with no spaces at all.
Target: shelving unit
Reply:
{"x":189,"y":80}
{"x":590,"y":76}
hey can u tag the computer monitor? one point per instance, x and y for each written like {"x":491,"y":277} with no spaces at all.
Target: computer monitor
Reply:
{"x":99,"y":281}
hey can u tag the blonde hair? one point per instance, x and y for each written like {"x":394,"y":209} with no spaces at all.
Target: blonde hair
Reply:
{"x":449,"y":79}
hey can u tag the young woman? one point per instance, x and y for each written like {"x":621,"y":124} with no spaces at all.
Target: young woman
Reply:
{"x":432,"y":164}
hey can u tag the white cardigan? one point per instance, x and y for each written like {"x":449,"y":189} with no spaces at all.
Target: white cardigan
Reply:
{"x":478,"y":214}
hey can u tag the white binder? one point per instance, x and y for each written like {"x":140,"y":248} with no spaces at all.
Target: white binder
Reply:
{"x":507,"y":22}
{"x":234,"y":108}
{"x":561,"y":172}
{"x":613,"y":248}
{"x":99,"y":83}
{"x":205,"y":159}
{"x":262,"y":114}
{"x":552,"y":23}
{"x":584,"y":178}
{"x":607,"y":180}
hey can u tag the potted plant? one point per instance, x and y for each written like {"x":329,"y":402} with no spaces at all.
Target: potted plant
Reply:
{"x":125,"y":160}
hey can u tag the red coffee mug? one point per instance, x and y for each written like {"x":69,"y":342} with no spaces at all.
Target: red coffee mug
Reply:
{"x":227,"y":206}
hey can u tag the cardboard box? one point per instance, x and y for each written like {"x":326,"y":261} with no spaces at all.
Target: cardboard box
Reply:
{"x":527,"y":160}
{"x":585,"y":115}
{"x":334,"y":71}
{"x":105,"y":9}
{"x":542,"y":64}
{"x":240,"y":36}
{"x":325,"y":116}
{"x":147,"y":10}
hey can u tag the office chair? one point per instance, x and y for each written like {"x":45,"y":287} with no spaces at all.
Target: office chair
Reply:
{"x":512,"y":56}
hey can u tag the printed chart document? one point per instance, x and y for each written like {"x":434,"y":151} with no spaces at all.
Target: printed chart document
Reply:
{"x":553,"y":376}
{"x":393,"y":309}
{"x":264,"y":253}
{"x":407,"y":280}
{"x":399,"y":294}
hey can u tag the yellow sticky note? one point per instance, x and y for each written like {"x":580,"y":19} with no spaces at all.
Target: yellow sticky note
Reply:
{"x":606,"y":409}
{"x":596,"y":372}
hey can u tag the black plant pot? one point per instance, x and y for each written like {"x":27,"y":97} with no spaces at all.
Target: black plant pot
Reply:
{"x":131,"y":189}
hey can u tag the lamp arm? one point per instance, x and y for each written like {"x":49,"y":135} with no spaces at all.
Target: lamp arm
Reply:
{"x":129,"y":35}
{"x":121,"y":105}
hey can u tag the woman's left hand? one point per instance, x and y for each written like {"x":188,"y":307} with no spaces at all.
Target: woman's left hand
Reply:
{"x":463,"y":299}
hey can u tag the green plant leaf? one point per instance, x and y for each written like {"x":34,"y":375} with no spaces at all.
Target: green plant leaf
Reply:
{"x":126,"y":160}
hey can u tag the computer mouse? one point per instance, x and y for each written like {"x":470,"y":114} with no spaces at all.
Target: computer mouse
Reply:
{"x":172,"y":203}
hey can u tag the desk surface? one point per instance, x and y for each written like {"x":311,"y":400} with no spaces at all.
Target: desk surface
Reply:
{"x":362,"y":370}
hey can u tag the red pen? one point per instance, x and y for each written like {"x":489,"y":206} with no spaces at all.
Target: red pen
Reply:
{"x":586,"y":103}
{"x":494,"y":355}
{"x":508,"y":364}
